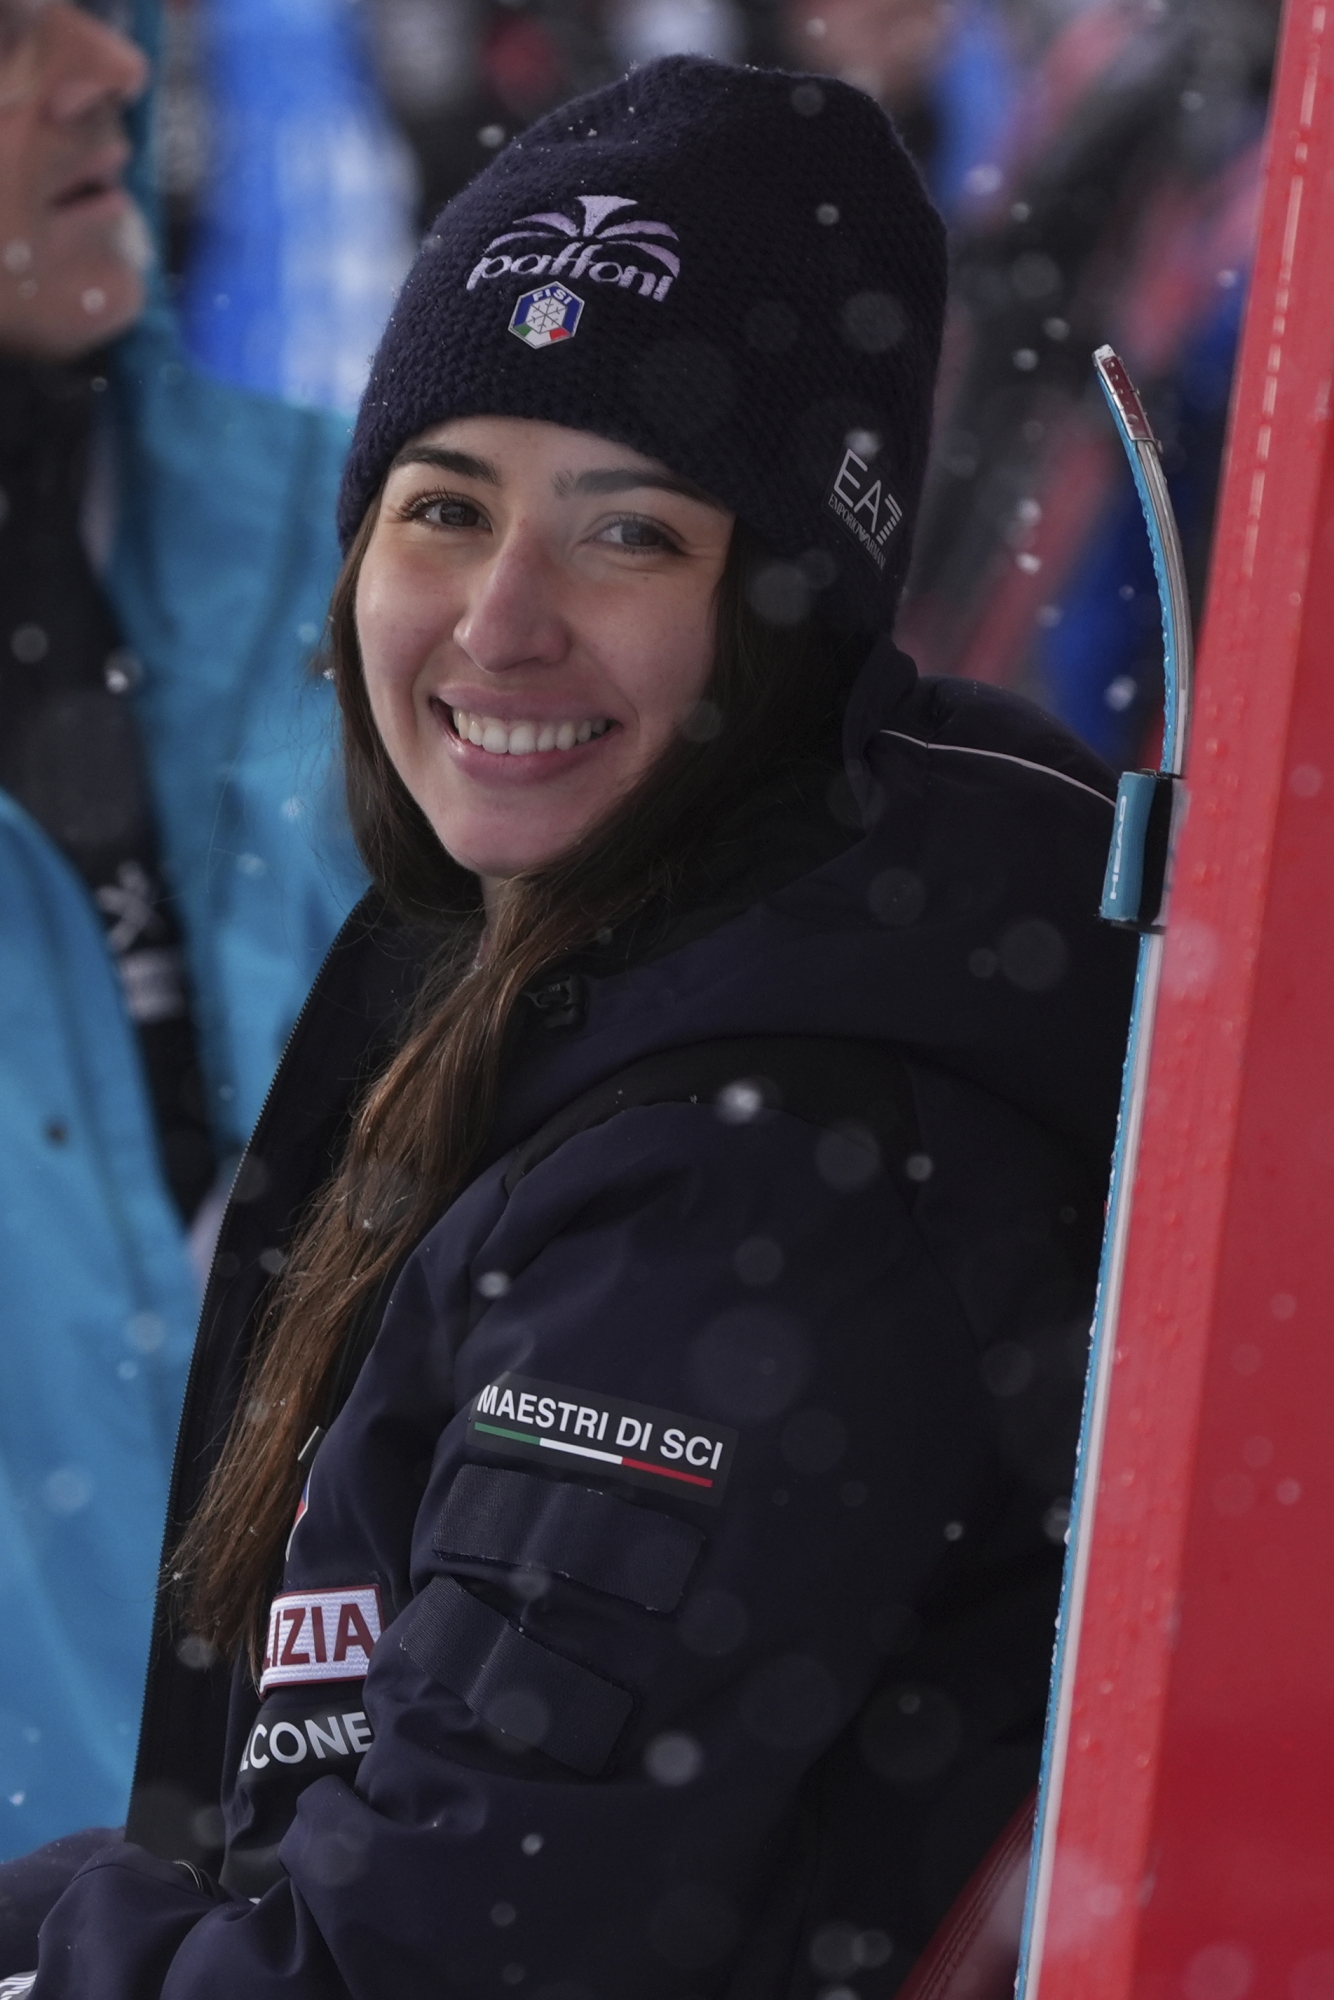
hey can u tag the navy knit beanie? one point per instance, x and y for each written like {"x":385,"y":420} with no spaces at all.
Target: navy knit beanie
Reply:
{"x":734,"y":271}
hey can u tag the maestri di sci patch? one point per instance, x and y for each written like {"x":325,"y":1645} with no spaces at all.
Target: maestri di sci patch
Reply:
{"x":554,"y":1425}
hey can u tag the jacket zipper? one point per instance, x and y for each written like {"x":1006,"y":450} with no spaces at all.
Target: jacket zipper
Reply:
{"x":197,"y":1359}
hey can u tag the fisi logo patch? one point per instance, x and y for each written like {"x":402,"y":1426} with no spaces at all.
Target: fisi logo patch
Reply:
{"x":547,"y":315}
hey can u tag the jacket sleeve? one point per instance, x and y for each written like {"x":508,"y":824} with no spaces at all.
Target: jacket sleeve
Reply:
{"x":30,"y":1885}
{"x":595,"y":1709}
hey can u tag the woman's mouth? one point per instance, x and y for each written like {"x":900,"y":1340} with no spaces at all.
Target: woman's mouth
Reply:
{"x":524,"y":739}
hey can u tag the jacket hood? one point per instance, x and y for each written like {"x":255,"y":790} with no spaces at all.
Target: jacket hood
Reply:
{"x":956,"y":918}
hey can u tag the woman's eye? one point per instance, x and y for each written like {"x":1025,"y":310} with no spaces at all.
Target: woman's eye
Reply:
{"x":633,"y":532}
{"x":443,"y":510}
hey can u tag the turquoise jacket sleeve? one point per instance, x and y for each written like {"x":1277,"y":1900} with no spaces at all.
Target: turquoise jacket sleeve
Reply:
{"x":221,"y":568}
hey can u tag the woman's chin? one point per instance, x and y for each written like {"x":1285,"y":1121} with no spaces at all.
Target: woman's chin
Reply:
{"x":516,"y":831}
{"x":498,"y":859}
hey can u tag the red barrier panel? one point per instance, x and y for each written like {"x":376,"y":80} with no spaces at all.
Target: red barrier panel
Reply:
{"x":1193,"y":1787}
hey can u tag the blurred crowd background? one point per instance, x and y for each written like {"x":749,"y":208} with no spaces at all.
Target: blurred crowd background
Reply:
{"x":1097,"y":160}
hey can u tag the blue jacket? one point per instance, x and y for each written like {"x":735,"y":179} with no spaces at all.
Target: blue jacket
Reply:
{"x":220,"y":574}
{"x":670,"y":1603}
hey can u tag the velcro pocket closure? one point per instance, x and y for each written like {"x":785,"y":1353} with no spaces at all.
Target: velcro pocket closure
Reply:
{"x":513,"y":1682}
{"x":531,"y":1522}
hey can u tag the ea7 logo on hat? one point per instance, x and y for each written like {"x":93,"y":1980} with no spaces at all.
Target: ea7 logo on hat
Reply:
{"x":865,"y":505}
{"x":546,"y":316}
{"x":589,"y":246}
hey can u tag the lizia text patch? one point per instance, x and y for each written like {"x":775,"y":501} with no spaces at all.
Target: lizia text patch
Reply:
{"x":320,"y":1635}
{"x":553,"y":1424}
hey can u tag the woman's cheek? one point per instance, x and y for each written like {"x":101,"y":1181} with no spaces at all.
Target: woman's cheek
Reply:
{"x":399,"y":612}
{"x":390,"y":689}
{"x":669,"y":679}
{"x":396,"y":646}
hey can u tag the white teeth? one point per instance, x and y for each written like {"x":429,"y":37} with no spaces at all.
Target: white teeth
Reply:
{"x":523,"y":739}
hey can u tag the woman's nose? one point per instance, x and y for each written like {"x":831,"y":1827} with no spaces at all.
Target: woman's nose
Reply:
{"x":514,"y":616}
{"x":92,"y":65}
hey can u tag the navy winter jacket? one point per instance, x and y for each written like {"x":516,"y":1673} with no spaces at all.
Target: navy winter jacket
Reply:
{"x":669,"y":1609}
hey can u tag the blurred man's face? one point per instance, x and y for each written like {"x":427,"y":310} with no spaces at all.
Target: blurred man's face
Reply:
{"x":890,"y":48}
{"x":72,"y":243}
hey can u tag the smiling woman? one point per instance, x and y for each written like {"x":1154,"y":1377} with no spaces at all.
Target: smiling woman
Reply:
{"x":535,"y":609}
{"x":613,"y":1546}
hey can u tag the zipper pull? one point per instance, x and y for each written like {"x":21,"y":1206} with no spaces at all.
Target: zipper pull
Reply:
{"x":305,"y":1458}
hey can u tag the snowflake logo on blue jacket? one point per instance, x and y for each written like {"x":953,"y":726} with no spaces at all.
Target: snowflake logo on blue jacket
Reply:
{"x":546,"y":315}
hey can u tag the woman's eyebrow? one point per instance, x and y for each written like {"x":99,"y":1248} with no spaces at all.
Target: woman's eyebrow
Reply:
{"x":614,"y":479}
{"x":461,"y":462}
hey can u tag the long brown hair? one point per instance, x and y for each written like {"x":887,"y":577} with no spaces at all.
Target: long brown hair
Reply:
{"x":768,"y":717}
